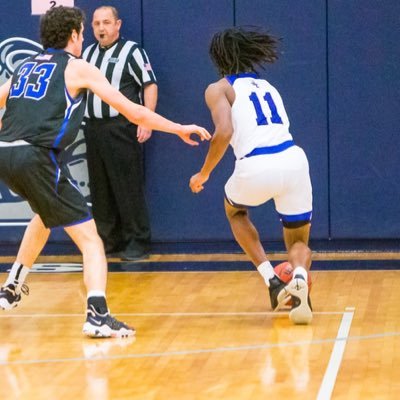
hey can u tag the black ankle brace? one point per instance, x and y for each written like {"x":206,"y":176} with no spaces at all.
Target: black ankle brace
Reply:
{"x":99,"y":303}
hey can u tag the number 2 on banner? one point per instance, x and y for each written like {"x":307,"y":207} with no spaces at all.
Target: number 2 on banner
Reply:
{"x":41,"y":6}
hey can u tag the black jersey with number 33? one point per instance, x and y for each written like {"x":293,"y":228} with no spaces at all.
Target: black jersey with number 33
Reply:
{"x":39,"y":108}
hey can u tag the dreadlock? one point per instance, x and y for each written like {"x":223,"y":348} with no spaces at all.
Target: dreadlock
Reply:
{"x":240,"y":49}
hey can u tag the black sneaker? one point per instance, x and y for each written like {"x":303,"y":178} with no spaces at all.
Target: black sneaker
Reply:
{"x":104,"y":325}
{"x":10,"y":296}
{"x":276,"y":286}
{"x":301,"y":312}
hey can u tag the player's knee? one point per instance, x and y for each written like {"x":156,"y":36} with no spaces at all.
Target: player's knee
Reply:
{"x":233,"y":212}
{"x":300,"y":248}
{"x":91,"y":244}
{"x":233,"y":209}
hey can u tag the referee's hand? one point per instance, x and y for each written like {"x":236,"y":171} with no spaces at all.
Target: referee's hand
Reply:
{"x":143,"y":134}
{"x":187,"y":130}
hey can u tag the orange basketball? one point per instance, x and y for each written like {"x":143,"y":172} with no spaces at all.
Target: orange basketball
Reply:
{"x":285,"y":272}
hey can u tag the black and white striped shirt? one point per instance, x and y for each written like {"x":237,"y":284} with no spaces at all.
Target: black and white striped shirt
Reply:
{"x":127,"y":68}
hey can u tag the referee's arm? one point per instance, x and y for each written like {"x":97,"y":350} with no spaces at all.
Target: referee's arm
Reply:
{"x":150,"y":95}
{"x":142,"y":72}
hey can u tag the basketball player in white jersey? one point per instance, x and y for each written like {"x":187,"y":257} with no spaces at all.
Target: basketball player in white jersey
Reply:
{"x":249,"y":114}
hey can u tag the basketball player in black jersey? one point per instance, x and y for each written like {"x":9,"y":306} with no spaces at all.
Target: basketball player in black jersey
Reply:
{"x":45,"y":101}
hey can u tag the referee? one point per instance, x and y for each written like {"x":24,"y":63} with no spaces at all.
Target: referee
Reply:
{"x":114,"y":145}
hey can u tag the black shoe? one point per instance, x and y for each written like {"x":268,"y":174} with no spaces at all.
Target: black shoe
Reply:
{"x":275,"y":287}
{"x":104,"y":325}
{"x":10,"y":296}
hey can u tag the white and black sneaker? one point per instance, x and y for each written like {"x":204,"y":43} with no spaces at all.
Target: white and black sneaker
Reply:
{"x":276,"y":287}
{"x":10,"y":296}
{"x":105,"y":325}
{"x":297,"y":290}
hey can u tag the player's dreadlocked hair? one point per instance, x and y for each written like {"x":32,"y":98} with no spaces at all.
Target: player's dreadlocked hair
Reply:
{"x":240,"y":49}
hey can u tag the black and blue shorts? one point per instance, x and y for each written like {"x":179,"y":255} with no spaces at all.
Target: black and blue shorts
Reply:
{"x":38,"y":175}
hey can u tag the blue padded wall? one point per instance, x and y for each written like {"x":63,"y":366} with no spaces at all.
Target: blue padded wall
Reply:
{"x":339,"y":77}
{"x":176,"y":36}
{"x":364,"y":118}
{"x":303,"y":87}
{"x":300,"y":77}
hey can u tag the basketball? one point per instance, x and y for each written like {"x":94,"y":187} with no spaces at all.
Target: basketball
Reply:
{"x":285,"y":272}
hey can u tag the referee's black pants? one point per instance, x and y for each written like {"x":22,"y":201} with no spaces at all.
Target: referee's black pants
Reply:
{"x":116,"y":180}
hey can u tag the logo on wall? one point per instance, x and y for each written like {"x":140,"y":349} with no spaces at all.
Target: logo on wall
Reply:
{"x":13,"y":51}
{"x":13,"y":209}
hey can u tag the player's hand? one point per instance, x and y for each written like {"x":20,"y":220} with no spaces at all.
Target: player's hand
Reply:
{"x":187,"y":131}
{"x":143,"y":134}
{"x":197,"y":182}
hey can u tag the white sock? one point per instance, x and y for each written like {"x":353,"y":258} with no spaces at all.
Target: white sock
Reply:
{"x":301,"y":271}
{"x":96,"y":293}
{"x":17,"y":275}
{"x":267,"y":271}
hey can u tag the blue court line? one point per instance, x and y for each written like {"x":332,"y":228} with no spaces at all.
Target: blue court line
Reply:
{"x":215,"y":266}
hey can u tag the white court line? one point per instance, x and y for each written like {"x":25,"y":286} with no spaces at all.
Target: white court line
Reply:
{"x":169,"y":314}
{"x":328,"y":383}
{"x":14,"y":223}
{"x":201,"y":351}
{"x":339,"y":341}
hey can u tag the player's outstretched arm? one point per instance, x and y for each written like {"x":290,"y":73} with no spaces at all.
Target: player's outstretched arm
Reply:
{"x":220,"y":109}
{"x":82,"y":75}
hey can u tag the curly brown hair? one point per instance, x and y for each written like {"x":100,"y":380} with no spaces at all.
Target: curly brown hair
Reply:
{"x":241,"y":49}
{"x":57,"y":24}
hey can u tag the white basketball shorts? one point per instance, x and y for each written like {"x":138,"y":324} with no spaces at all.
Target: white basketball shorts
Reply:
{"x":282,"y":176}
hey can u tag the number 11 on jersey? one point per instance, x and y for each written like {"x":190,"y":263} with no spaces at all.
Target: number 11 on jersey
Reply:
{"x":261,"y":118}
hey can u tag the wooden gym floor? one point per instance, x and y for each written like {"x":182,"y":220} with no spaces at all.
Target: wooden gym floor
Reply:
{"x":204,"y":333}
